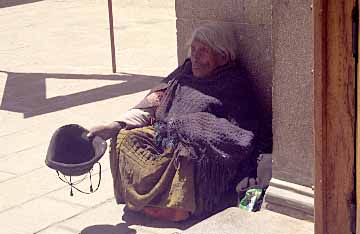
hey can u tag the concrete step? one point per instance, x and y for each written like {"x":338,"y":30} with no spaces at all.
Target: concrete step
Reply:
{"x":290,"y":199}
{"x":237,"y":221}
{"x":287,"y":208}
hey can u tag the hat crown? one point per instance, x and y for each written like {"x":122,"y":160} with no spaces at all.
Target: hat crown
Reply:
{"x":72,"y":146}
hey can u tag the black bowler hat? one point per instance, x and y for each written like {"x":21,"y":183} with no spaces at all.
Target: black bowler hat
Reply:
{"x":71,"y":152}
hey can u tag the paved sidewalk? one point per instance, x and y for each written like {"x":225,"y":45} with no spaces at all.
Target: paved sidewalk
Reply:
{"x":55,"y":70}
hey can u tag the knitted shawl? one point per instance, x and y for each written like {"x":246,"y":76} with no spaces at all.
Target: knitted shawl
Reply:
{"x":215,"y":119}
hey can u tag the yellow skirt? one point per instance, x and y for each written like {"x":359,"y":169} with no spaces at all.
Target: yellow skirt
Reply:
{"x":142,"y":176}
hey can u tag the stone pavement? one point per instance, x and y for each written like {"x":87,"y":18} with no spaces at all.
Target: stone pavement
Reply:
{"x":55,"y":69}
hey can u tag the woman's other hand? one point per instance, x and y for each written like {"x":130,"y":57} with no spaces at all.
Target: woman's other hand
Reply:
{"x":105,"y":131}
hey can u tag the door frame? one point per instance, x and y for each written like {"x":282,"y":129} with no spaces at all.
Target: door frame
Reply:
{"x":334,"y":115}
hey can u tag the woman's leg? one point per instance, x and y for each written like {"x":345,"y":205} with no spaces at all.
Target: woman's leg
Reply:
{"x":153,"y":185}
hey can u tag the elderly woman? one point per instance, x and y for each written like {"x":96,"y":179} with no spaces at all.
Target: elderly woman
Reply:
{"x":180,"y":150}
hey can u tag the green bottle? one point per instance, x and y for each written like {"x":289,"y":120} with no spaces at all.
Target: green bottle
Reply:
{"x":250,"y":199}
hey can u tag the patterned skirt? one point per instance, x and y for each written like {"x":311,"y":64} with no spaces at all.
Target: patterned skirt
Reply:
{"x":143,"y":176}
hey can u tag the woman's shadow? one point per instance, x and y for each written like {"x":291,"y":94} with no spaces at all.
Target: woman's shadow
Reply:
{"x":136,"y":218}
{"x":121,"y":228}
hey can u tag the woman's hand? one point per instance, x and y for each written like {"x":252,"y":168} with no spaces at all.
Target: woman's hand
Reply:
{"x":105,"y":131}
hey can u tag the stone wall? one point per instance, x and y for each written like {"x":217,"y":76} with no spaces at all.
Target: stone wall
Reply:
{"x":293,"y":91}
{"x":275,"y":47}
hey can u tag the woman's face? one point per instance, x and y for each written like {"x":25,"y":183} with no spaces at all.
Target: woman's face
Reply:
{"x":204,"y":59}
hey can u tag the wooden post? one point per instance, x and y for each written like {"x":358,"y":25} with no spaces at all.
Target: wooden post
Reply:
{"x":357,"y":144}
{"x":334,"y":76}
{"x":111,"y":26}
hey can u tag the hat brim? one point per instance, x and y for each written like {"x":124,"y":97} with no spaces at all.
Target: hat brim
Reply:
{"x":76,"y":169}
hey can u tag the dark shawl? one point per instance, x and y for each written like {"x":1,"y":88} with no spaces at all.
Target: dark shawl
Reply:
{"x":215,"y":120}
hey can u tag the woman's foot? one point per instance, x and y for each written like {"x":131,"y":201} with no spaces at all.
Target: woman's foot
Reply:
{"x":172,"y":214}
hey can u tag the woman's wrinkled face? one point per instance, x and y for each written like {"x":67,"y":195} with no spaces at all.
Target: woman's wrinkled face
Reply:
{"x":204,"y":59}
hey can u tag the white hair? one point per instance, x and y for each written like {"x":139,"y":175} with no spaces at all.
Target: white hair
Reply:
{"x":217,"y":37}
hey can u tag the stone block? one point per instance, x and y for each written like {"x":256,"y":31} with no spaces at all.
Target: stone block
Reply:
{"x":28,"y":187}
{"x":290,"y":199}
{"x":18,"y":125}
{"x":293,"y":92}
{"x":24,"y":161}
{"x":11,"y":122}
{"x":104,"y":193}
{"x":106,"y":218}
{"x":234,"y":220}
{"x":239,"y":11}
{"x":22,"y":140}
{"x":58,"y":230}
{"x":36,"y":215}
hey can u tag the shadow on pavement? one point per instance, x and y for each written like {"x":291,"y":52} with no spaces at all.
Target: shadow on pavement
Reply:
{"x":138,"y":218}
{"x":10,"y":3}
{"x":135,"y":218}
{"x":26,"y":92}
{"x":121,"y":228}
